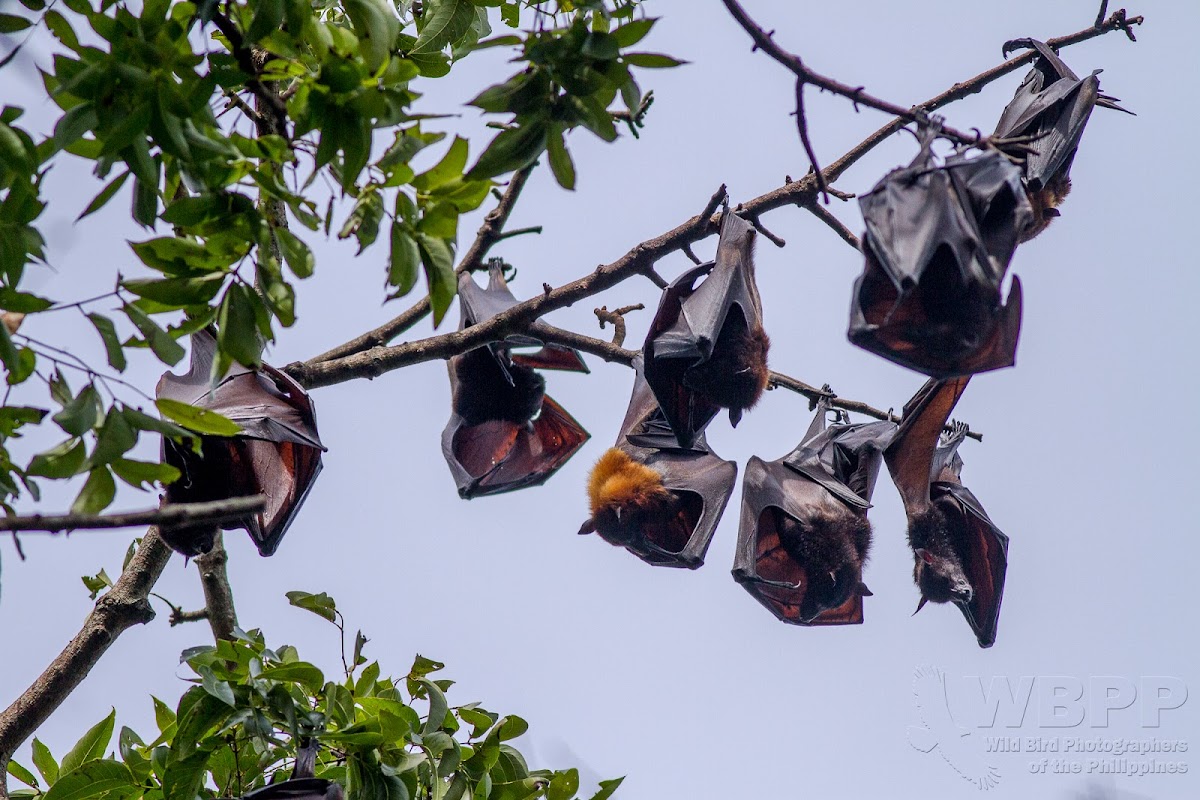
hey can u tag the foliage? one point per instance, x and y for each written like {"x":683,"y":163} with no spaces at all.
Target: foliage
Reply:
{"x":238,"y":727}
{"x":144,"y":89}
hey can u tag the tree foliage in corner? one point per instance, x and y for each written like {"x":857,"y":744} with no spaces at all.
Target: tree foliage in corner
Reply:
{"x":238,"y":728}
{"x":149,"y":94}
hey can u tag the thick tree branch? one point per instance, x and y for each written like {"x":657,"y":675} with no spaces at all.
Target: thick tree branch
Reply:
{"x":490,"y":232}
{"x":122,"y":607}
{"x":168,"y":515}
{"x":327,"y":369}
{"x":218,"y":594}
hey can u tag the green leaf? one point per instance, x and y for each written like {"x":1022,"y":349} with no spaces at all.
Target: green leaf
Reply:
{"x":178,"y":292}
{"x":25,"y":366}
{"x":73,"y":125}
{"x":237,"y":327}
{"x":560,"y":160}
{"x":404,"y":261}
{"x":106,"y":194}
{"x":167,"y":349}
{"x":512,"y":727}
{"x":563,"y":785}
{"x":607,"y":788}
{"x":10,"y":23}
{"x":184,"y":778}
{"x":22,"y":302}
{"x":438,"y":707}
{"x":438,"y":259}
{"x":164,"y":716}
{"x":91,"y":745}
{"x":320,"y":604}
{"x":268,"y":14}
{"x":63,"y":461}
{"x":446,"y":21}
{"x":97,"y":493}
{"x":451,"y":166}
{"x":631,"y":33}
{"x":95,"y":584}
{"x":511,"y":150}
{"x":112,"y":342}
{"x":174,"y":255}
{"x":145,"y":422}
{"x":116,"y":438}
{"x":23,"y":775}
{"x":217,"y":688}
{"x":93,"y":779}
{"x":199,"y":420}
{"x":142,"y":474}
{"x":81,"y":414}
{"x":296,"y":253}
{"x":651,"y":60}
{"x":44,"y":762}
{"x":297,"y":672}
{"x":600,"y":46}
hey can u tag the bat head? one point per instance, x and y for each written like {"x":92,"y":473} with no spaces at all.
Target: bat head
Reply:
{"x":938,"y":243}
{"x":828,"y":548}
{"x":937,"y":561}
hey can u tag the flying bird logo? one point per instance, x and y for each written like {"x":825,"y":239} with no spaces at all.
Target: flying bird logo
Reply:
{"x":959,"y":747}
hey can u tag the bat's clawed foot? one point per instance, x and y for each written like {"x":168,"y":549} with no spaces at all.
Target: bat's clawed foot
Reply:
{"x":1015,"y":44}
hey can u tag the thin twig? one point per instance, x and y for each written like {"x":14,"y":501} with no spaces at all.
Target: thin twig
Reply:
{"x":617,"y":318}
{"x":216,"y":512}
{"x":826,"y":216}
{"x":814,"y":394}
{"x":802,"y":128}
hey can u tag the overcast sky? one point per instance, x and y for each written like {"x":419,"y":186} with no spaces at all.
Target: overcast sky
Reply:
{"x":679,"y":679}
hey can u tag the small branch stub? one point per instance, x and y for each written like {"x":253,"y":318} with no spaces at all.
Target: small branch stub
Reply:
{"x":617,"y":318}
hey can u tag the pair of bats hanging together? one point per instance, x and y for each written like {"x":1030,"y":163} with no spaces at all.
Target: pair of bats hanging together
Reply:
{"x":940,"y":235}
{"x":660,"y":491}
{"x":804,"y":534}
{"x":277,"y":454}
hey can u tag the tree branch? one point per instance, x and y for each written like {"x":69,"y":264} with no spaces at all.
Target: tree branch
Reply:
{"x":826,"y":216}
{"x":217,"y":511}
{"x":122,"y":607}
{"x":269,"y":103}
{"x":366,"y":357}
{"x":490,"y":232}
{"x":218,"y":594}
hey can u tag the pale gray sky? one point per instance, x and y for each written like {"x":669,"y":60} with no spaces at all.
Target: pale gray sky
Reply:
{"x":680,"y":680}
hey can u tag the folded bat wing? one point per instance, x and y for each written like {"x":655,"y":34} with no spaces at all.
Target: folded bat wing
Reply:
{"x":938,"y":242}
{"x":278,"y":453}
{"x":910,"y":456}
{"x":986,"y":563}
{"x":689,"y":321}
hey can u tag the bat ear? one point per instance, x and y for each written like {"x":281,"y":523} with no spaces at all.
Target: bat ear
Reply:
{"x":735,"y":416}
{"x":587,"y":527}
{"x":864,"y":591}
{"x":921,"y":605}
{"x":1051,"y":212}
{"x":927,"y":557}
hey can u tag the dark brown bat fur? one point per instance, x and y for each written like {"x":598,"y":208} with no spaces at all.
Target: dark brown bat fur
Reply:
{"x":485,"y":395}
{"x":1045,"y":202}
{"x":218,"y":461}
{"x":832,"y":550}
{"x":943,"y":538}
{"x":736,"y":373}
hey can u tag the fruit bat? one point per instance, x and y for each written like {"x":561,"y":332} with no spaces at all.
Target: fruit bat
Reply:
{"x":804,"y":534}
{"x":658,"y":500}
{"x":937,"y":244}
{"x":277,"y":454}
{"x":959,"y":555}
{"x":706,"y":349}
{"x":1050,"y":110}
{"x":505,"y":432}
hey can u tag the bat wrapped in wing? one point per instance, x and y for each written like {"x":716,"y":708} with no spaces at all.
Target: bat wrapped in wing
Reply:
{"x":277,"y":454}
{"x":938,"y":241}
{"x":804,"y":534}
{"x":959,"y":555}
{"x":505,"y":432}
{"x":1048,"y":114}
{"x":659,"y":501}
{"x":706,"y":349}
